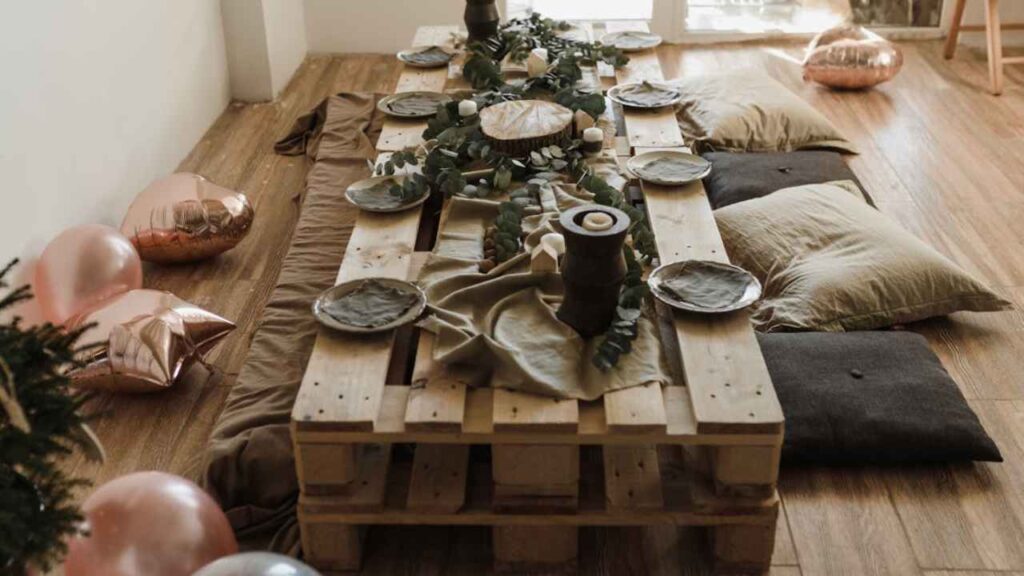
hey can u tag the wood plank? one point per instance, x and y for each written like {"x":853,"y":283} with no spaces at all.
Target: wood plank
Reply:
{"x":479,"y":427}
{"x":632,"y":477}
{"x":646,"y":128}
{"x":344,"y":380}
{"x":636,"y":409}
{"x":970,"y":516}
{"x":730,"y":388}
{"x":437,"y":400}
{"x":593,"y":510}
{"x":343,"y":385}
{"x":853,"y":510}
{"x":641,"y":409}
{"x":528,"y":412}
{"x":438,"y":482}
{"x":397,"y":134}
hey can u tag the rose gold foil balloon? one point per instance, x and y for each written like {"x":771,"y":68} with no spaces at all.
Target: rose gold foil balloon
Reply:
{"x":151,"y":524}
{"x":185,"y":217}
{"x":83,"y":266}
{"x":147,"y":338}
{"x":851,"y":57}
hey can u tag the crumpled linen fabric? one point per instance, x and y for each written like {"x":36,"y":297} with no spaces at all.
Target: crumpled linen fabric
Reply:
{"x":499,"y":328}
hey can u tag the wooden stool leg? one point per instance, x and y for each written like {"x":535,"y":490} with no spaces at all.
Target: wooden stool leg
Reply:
{"x":538,"y":479}
{"x":954,"y":29}
{"x":546,"y":549}
{"x":995,"y":45}
{"x":332,"y":547}
{"x":743,"y":549}
{"x":745,"y":470}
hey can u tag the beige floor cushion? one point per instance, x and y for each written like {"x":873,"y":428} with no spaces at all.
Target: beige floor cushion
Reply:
{"x":748,"y":111}
{"x":830,"y":262}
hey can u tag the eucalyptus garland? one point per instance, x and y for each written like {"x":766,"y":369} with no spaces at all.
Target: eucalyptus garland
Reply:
{"x":457,"y":147}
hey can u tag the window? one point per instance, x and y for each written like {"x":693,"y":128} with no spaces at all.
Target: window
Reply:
{"x":584,"y":9}
{"x":676,"y":19}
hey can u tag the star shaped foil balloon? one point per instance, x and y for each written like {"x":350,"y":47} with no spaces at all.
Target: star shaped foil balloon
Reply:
{"x":144,"y":340}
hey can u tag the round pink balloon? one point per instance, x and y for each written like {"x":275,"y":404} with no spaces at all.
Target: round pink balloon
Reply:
{"x":82,"y":267}
{"x":149,"y":523}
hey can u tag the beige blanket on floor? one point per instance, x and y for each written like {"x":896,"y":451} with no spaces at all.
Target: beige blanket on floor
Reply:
{"x":500,"y":328}
{"x":248,"y":465}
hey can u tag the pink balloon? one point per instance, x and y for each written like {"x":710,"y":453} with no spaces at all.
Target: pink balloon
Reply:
{"x":82,"y":267}
{"x":149,"y":523}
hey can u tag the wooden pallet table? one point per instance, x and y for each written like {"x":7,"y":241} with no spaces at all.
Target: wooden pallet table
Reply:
{"x":383,"y":435}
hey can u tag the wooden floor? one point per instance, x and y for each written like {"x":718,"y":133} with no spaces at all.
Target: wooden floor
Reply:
{"x":938,"y":153}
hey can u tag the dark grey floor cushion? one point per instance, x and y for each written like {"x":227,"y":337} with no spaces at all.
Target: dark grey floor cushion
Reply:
{"x":870,"y":398}
{"x":740,"y":176}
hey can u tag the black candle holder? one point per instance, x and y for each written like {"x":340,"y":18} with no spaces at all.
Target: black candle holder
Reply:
{"x":593,"y":269}
{"x":482,"y":19}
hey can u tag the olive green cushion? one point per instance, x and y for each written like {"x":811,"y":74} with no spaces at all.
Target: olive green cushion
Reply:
{"x":829,"y":262}
{"x":748,"y":111}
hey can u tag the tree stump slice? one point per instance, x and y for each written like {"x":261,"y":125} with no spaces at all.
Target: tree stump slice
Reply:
{"x":519,"y":127}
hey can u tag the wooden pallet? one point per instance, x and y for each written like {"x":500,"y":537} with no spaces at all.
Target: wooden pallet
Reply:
{"x":705,"y":452}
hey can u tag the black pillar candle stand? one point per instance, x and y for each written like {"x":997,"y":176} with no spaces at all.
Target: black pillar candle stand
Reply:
{"x":482,"y":19}
{"x":593,"y":269}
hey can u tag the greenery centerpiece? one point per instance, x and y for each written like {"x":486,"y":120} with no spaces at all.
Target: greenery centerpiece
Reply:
{"x":457,"y":143}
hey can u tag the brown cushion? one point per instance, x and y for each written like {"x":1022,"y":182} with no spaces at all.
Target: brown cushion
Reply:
{"x":868,"y":398}
{"x":739,"y":176}
{"x":830,"y":262}
{"x":748,"y":111}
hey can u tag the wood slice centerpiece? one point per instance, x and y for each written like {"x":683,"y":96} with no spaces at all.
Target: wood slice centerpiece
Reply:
{"x":517,"y":128}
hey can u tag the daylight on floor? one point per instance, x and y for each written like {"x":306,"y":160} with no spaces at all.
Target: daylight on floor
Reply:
{"x":482,"y":287}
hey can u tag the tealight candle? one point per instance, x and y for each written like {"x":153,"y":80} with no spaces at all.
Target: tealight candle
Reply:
{"x":597,"y":221}
{"x":593,"y":140}
{"x":467,"y":108}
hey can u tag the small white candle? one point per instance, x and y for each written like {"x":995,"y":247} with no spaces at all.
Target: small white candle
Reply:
{"x":467,"y":108}
{"x":597,"y":221}
{"x":537,"y":62}
{"x":593,"y":134}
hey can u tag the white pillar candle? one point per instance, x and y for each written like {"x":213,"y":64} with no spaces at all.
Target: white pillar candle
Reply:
{"x":537,"y":62}
{"x":593,"y":134}
{"x":467,"y":108}
{"x":597,"y":221}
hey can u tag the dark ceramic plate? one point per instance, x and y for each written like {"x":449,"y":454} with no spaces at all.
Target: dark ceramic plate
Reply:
{"x":704,"y":286}
{"x":337,"y":292}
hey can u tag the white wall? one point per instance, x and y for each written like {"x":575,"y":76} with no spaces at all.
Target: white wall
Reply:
{"x":286,"y":39}
{"x":266,"y":43}
{"x":99,"y":97}
{"x":382,"y":26}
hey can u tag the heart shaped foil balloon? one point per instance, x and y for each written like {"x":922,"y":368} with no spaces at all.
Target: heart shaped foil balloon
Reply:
{"x":143,"y":340}
{"x":184,"y":218}
{"x":851,"y":57}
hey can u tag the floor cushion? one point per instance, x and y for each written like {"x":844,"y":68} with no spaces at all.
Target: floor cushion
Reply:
{"x":739,"y":176}
{"x":748,"y":111}
{"x":248,"y":466}
{"x":870,"y":397}
{"x":829,"y":262}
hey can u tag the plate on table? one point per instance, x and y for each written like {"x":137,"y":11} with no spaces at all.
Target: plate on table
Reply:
{"x":374,"y":195}
{"x":370,"y":305}
{"x":668,"y":167}
{"x":412,"y":104}
{"x":427,"y":56}
{"x":704,"y":286}
{"x":645,"y":95}
{"x":631,"y":40}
